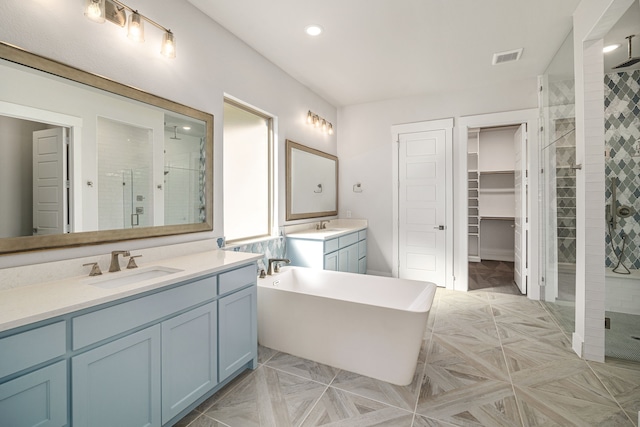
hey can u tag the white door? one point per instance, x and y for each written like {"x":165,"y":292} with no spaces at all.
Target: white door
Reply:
{"x":520,"y":218}
{"x":49,"y":181}
{"x":422,"y":206}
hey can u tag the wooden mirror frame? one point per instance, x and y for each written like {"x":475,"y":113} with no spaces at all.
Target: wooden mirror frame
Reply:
{"x":33,"y":243}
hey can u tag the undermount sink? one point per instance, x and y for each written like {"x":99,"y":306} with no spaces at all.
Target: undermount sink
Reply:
{"x":129,"y":277}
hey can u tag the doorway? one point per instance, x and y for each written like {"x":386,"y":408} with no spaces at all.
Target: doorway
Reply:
{"x":423,"y":202}
{"x":495,"y":214}
{"x":497,"y":200}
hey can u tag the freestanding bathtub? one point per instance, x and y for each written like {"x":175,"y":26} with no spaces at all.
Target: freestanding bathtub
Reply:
{"x":369,"y":325}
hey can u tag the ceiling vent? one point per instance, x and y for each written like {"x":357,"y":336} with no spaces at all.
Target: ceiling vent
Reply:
{"x":508,"y":56}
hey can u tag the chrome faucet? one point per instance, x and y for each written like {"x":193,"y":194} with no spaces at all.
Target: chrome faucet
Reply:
{"x":274,"y":264}
{"x":115,"y":264}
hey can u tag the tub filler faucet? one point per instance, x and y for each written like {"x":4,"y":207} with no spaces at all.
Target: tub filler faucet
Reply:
{"x":274,"y":264}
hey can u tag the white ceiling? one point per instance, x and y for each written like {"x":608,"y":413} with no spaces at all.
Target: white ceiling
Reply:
{"x":381,"y":49}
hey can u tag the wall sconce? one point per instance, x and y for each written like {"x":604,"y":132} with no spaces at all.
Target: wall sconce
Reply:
{"x":115,"y":11}
{"x":318,"y":122}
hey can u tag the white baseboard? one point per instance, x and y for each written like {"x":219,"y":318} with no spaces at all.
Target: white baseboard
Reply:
{"x":379,"y":273}
{"x":496,"y":255}
{"x":577,"y":343}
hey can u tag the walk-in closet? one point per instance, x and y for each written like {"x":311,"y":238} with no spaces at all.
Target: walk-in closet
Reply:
{"x":491,"y":163}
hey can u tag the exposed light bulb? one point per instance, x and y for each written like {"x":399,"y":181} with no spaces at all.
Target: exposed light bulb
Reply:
{"x":324,"y":125}
{"x":309,"y":117}
{"x":316,"y":121}
{"x":330,"y":129}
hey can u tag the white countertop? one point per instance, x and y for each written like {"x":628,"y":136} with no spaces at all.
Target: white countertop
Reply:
{"x":334,"y":228}
{"x":28,"y":304}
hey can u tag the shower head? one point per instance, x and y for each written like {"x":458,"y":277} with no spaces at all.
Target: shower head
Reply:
{"x":631,"y":60}
{"x":175,"y":134}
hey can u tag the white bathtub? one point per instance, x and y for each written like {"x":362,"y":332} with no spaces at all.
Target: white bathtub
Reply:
{"x":369,"y":325}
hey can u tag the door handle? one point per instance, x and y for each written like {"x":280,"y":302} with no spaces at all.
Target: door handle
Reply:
{"x":440,"y":227}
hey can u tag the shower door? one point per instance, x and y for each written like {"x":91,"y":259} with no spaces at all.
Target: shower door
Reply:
{"x":558,"y":187}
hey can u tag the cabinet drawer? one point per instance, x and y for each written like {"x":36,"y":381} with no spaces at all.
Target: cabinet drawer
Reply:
{"x":331,"y":246}
{"x":20,"y":351}
{"x":237,"y":279}
{"x":93,"y":327}
{"x":362,"y":249}
{"x":349,"y":239}
{"x":362,"y":234}
{"x":36,"y":399}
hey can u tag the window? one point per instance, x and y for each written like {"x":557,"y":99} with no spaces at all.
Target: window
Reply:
{"x":248,"y":172}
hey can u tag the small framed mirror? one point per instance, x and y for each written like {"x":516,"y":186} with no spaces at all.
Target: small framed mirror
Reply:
{"x":312,"y":182}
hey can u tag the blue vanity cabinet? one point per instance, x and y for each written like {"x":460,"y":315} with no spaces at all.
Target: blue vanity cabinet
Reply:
{"x":237,"y":321}
{"x":348,"y":253}
{"x":144,"y":360}
{"x":34,"y":393}
{"x":118,"y":384}
{"x":189,"y":358}
{"x":344,"y":253}
{"x":362,"y":251}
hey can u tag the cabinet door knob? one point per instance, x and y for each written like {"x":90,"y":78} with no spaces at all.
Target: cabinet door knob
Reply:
{"x":440,"y":227}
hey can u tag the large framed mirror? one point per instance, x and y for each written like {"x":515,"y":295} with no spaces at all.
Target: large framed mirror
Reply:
{"x":87,"y":160}
{"x":312,"y":182}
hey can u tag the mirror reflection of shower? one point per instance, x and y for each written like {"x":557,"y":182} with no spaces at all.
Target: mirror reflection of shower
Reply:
{"x":183,"y":172}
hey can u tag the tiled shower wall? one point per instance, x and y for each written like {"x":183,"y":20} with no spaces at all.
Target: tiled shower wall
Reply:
{"x":563,"y":151}
{"x":622,"y":136}
{"x":272,"y":248}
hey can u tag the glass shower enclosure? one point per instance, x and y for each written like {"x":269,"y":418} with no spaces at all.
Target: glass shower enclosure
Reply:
{"x":558,"y":187}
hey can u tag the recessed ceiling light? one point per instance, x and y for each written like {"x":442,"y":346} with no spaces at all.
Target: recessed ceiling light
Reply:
{"x":610,"y":48}
{"x":313,"y":30}
{"x":186,"y":127}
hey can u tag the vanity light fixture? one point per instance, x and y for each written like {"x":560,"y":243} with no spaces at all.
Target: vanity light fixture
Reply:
{"x":318,"y":122}
{"x":115,"y":11}
{"x":94,"y":10}
{"x":136,"y":28}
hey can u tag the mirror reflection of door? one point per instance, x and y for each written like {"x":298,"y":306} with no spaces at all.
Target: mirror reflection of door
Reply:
{"x":17,"y":178}
{"x":50,"y":183}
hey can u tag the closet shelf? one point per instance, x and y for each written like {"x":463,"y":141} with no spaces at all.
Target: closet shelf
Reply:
{"x":496,"y":172}
{"x":497,"y":218}
{"x":496,"y":190}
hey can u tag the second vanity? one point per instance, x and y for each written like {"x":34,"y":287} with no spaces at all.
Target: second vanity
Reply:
{"x":338,"y":245}
{"x":142,"y":353}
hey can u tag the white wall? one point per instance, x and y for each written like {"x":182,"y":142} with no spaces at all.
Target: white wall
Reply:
{"x":364,"y":150}
{"x":592,"y":20}
{"x":210,"y":62}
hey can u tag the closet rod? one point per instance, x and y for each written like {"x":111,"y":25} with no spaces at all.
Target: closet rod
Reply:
{"x":497,"y":218}
{"x":500,"y":127}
